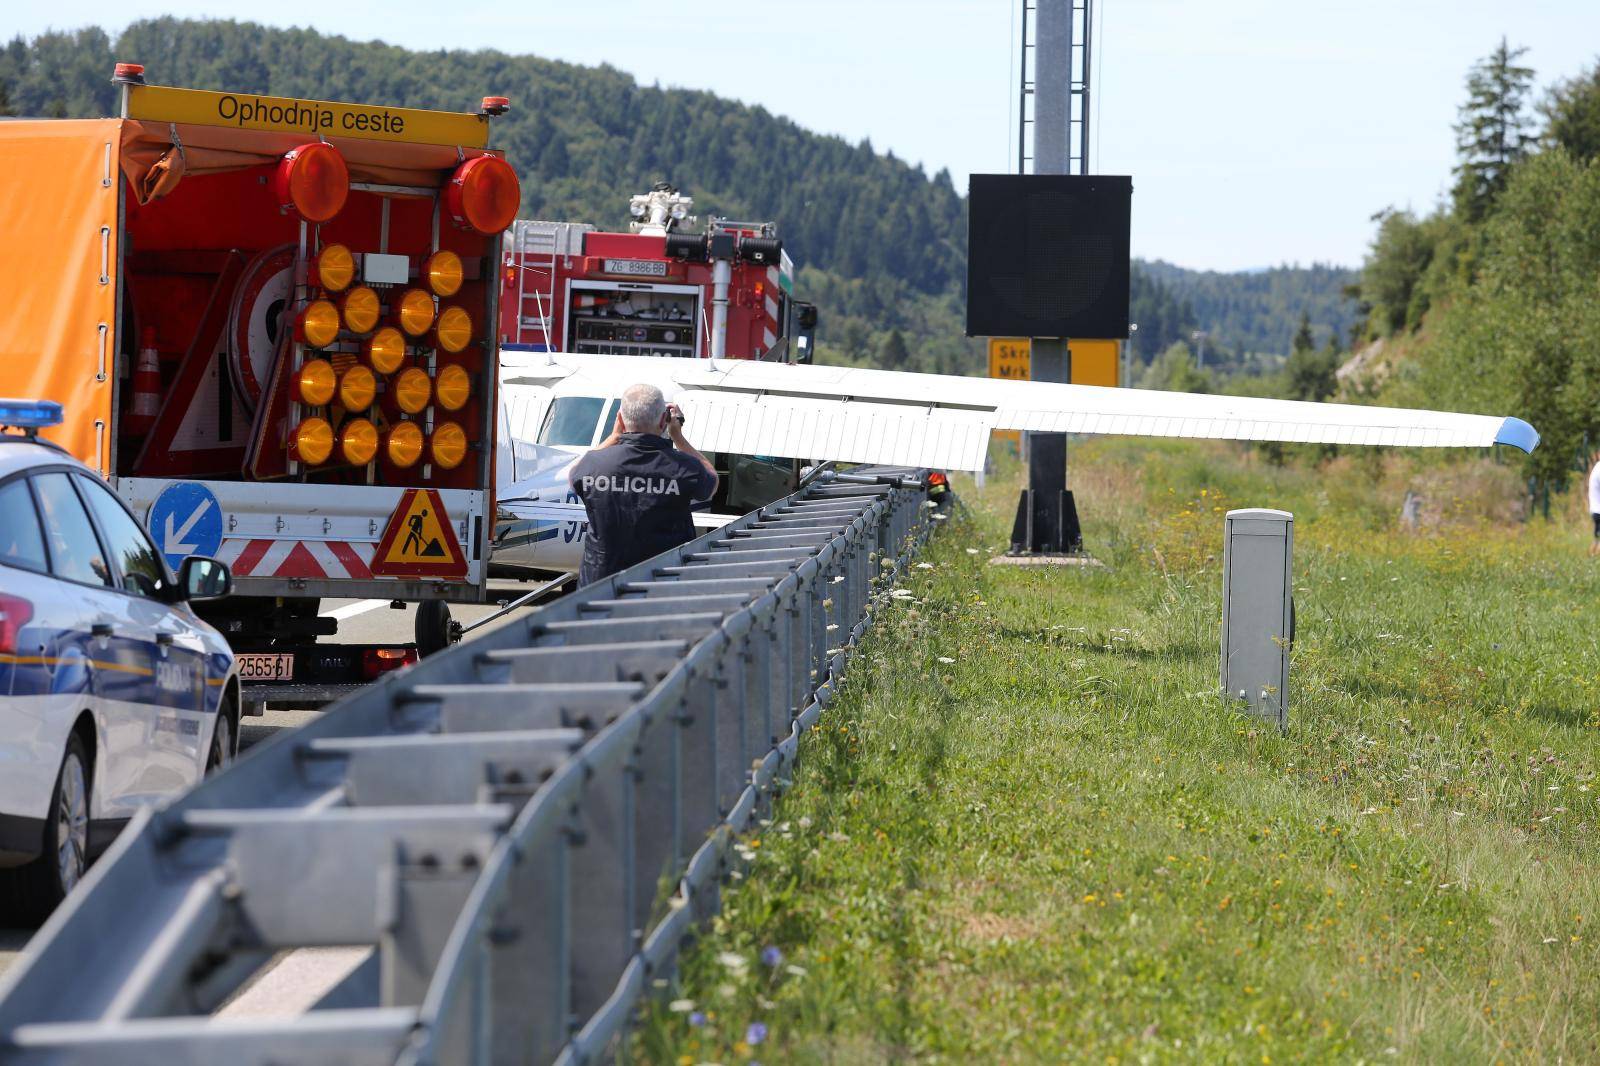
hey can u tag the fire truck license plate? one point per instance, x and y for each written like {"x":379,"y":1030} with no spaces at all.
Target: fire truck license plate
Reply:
{"x":651,"y":267}
{"x":265,"y":667}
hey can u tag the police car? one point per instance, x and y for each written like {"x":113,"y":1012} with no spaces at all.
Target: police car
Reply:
{"x":113,"y":694}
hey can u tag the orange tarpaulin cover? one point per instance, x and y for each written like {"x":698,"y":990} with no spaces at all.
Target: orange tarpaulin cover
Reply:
{"x":58,"y":211}
{"x":58,"y":290}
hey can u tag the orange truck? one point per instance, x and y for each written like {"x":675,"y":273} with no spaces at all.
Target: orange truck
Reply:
{"x":271,"y":323}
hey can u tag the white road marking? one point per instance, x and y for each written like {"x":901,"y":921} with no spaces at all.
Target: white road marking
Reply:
{"x":350,"y":610}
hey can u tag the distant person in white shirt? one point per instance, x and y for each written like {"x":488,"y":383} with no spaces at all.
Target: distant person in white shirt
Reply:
{"x":1594,"y":503}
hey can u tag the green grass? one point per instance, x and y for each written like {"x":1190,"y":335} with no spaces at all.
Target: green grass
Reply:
{"x":1059,"y":845}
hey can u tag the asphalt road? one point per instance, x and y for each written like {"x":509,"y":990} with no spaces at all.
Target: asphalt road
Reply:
{"x":285,"y":988}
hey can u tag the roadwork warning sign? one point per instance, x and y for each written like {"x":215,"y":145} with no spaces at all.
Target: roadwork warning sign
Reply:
{"x":418,"y":541}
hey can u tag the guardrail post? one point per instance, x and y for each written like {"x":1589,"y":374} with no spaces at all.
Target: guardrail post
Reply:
{"x":601,"y":886}
{"x":531,"y":957}
{"x":657,"y":840}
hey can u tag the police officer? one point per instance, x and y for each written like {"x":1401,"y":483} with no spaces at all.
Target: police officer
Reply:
{"x":640,"y":486}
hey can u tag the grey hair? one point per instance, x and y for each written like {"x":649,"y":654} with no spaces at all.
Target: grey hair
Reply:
{"x":643,"y":407}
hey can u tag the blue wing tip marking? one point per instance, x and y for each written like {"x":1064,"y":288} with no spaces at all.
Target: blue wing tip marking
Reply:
{"x":1518,"y":434}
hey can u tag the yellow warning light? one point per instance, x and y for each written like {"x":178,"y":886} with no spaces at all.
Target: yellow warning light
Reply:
{"x":386,"y":350}
{"x":357,"y":388}
{"x":403,"y":443}
{"x":336,"y":267}
{"x":412,"y":390}
{"x":314,"y":383}
{"x":319,"y":323}
{"x":448,"y":445}
{"x":444,"y":272}
{"x":453,"y":387}
{"x":360,"y":309}
{"x":358,"y":440}
{"x":454,"y":330}
{"x":312,"y":441}
{"x":416,"y":312}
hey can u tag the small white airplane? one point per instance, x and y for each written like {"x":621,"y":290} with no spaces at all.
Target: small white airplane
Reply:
{"x":760,"y":421}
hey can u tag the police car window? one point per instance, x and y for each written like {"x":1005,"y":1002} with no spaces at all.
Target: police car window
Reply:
{"x":611,"y":418}
{"x":21,"y":543}
{"x":571,"y":421}
{"x":74,"y":549}
{"x":136,"y":558}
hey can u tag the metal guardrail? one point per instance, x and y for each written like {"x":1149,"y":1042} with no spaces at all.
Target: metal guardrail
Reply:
{"x":500,"y":824}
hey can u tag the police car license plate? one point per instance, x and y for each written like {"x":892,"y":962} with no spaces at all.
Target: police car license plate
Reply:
{"x":265,"y":667}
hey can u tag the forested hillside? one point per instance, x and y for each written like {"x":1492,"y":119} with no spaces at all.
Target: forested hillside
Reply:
{"x":881,"y":244}
{"x":1492,"y":301}
{"x":884,"y":243}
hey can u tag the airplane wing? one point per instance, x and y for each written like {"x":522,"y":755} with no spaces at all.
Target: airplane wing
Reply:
{"x":880,"y":416}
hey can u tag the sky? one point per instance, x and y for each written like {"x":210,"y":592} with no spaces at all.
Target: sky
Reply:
{"x":1257,"y":132}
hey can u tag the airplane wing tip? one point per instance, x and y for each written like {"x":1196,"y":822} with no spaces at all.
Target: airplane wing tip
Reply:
{"x":1518,"y":434}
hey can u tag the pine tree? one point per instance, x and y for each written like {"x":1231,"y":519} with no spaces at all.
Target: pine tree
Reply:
{"x":1493,"y":132}
{"x":1572,"y":115}
{"x":893,"y":353}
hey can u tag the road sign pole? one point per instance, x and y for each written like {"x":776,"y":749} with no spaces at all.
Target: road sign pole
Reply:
{"x":1043,"y":513}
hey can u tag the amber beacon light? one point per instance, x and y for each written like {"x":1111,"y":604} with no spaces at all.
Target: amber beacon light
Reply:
{"x":358,"y":441}
{"x":483,"y":195}
{"x":312,"y":441}
{"x":403,"y":444}
{"x":319,"y":323}
{"x":448,"y":445}
{"x":444,"y":272}
{"x":312,"y":181}
{"x":336,"y":267}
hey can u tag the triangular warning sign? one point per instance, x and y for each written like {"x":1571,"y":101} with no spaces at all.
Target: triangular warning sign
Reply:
{"x":418,"y":541}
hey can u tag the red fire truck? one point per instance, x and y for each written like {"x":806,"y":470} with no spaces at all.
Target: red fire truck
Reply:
{"x":726,"y":291}
{"x":271,"y":324}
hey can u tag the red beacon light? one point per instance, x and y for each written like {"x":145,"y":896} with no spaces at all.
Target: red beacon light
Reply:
{"x":494,"y":105}
{"x":483,"y":195}
{"x":128,"y":74}
{"x":312,"y":181}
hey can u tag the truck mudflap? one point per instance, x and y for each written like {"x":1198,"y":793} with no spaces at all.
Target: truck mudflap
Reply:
{"x":311,"y":540}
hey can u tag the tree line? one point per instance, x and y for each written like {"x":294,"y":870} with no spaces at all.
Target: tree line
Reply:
{"x":1494,"y":294}
{"x":880,"y":242}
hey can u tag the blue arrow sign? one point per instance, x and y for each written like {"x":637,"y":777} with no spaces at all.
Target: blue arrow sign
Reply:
{"x":185,"y":520}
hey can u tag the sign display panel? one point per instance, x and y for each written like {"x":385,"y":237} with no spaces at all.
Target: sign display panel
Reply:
{"x":1047,"y":255}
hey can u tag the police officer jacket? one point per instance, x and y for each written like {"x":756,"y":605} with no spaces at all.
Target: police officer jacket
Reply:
{"x":639,"y":494}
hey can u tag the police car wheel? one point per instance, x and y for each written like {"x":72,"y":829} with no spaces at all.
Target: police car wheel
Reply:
{"x":223,"y":746}
{"x":42,"y":884}
{"x":432,"y":627}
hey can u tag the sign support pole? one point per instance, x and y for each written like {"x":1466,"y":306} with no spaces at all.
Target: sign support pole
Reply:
{"x":1046,"y":519}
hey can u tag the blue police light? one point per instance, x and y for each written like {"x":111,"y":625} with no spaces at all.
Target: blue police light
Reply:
{"x":30,"y":414}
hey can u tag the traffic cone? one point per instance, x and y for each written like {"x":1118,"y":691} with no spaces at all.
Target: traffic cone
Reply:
{"x":146,"y":388}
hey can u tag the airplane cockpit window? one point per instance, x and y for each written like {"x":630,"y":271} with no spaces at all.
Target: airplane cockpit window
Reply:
{"x":571,"y":421}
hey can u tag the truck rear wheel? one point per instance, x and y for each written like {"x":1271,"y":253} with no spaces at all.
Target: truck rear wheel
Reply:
{"x":432,"y":627}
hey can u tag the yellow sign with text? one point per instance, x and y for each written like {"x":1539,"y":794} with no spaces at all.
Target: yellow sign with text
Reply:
{"x":1094,"y":362}
{"x":314,"y":118}
{"x":1009,"y":358}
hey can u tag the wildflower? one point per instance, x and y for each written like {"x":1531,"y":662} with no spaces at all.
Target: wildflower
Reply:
{"x":946,"y":659}
{"x":972,"y":551}
{"x":756,"y":1033}
{"x":733,"y":961}
{"x":804,"y":822}
{"x":771,"y":956}
{"x":681,"y":1005}
{"x":697,"y":1019}
{"x":794,"y":971}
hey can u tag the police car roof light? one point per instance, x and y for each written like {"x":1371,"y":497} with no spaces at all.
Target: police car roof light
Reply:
{"x":30,"y":414}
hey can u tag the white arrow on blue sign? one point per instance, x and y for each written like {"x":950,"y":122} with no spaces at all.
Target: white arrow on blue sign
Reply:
{"x":185,"y":520}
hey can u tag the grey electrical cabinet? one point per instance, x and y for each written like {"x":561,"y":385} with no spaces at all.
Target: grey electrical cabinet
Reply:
{"x":1258,"y":611}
